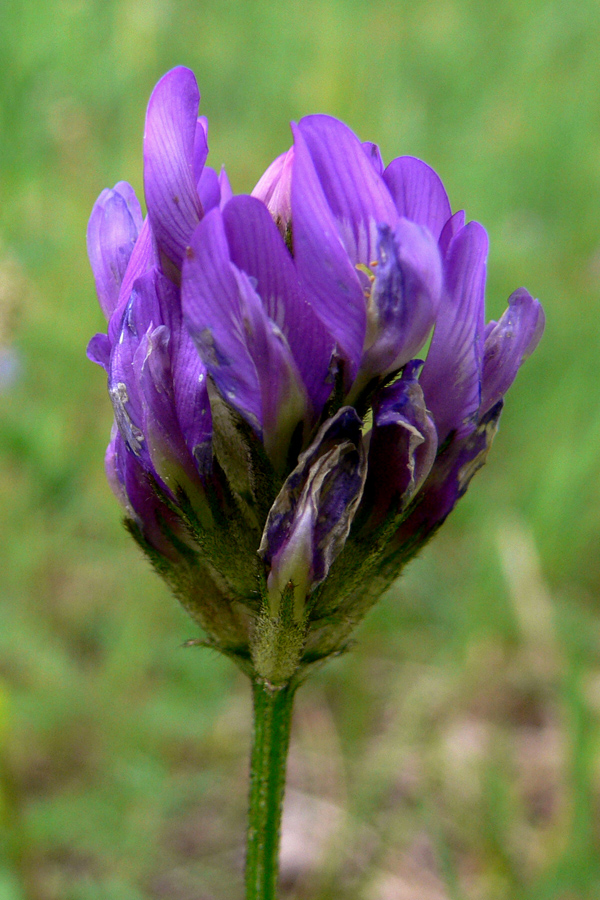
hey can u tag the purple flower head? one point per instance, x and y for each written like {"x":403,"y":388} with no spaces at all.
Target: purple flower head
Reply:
{"x":302,"y":379}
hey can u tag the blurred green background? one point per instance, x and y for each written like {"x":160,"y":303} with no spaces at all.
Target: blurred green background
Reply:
{"x":455,"y":754}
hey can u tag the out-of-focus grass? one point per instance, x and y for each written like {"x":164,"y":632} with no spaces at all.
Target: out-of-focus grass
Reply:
{"x":454,"y":753}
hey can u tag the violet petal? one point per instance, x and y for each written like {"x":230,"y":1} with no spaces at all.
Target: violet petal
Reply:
{"x":451,"y":378}
{"x":405,"y":297}
{"x":402,"y":447}
{"x":325,"y":270}
{"x":169,"y":183}
{"x":111,"y":235}
{"x":508,"y":343}
{"x":258,"y":249}
{"x":357,"y":196}
{"x":418,"y":193}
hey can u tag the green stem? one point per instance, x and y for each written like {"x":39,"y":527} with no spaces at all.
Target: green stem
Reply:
{"x":272,"y":720}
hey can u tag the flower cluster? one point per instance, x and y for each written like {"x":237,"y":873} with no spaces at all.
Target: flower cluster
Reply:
{"x":284,"y":441}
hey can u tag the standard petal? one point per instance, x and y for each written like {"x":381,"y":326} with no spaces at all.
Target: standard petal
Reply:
{"x":111,"y":236}
{"x":258,"y":249}
{"x":402,"y":447}
{"x":508,"y":343}
{"x":169,"y":183}
{"x":326,"y":273}
{"x":451,"y":378}
{"x":357,"y":196}
{"x":418,"y":193}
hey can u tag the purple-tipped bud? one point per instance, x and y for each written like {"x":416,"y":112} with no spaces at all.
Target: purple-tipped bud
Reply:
{"x":302,"y":379}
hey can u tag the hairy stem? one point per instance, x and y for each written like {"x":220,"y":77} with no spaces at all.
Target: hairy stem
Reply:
{"x":272,"y":720}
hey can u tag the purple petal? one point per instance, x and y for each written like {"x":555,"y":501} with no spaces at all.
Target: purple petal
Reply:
{"x":418,"y":193}
{"x":374,"y":156}
{"x":326,"y":273}
{"x":142,"y":259}
{"x":188,"y":373}
{"x":200,"y":146}
{"x":245,"y":353}
{"x":209,"y":189}
{"x":133,"y":204}
{"x":447,"y":482}
{"x":213,"y":314}
{"x":454,"y":224}
{"x":405,"y":297}
{"x":357,"y":196}
{"x":258,"y":249}
{"x":402,"y":448}
{"x":169,"y":140}
{"x":508,"y":343}
{"x":123,"y":384}
{"x":224,"y":187}
{"x":129,"y":481}
{"x":98,"y":350}
{"x":268,"y":181}
{"x":274,"y":189}
{"x":451,"y":378}
{"x":310,"y":520}
{"x":111,"y":235}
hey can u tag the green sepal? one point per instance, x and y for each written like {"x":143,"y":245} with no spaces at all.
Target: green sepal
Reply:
{"x":277,"y":642}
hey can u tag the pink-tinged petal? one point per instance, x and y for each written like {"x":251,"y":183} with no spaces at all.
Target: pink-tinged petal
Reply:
{"x":274,"y":189}
{"x":402,"y":448}
{"x":256,"y":247}
{"x":169,"y":183}
{"x":509,"y":342}
{"x":451,"y":378}
{"x":111,"y":235}
{"x":357,"y":196}
{"x":268,"y":181}
{"x":326,"y":273}
{"x":404,"y":299}
{"x":224,"y":187}
{"x":450,"y":230}
{"x":418,"y":193}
